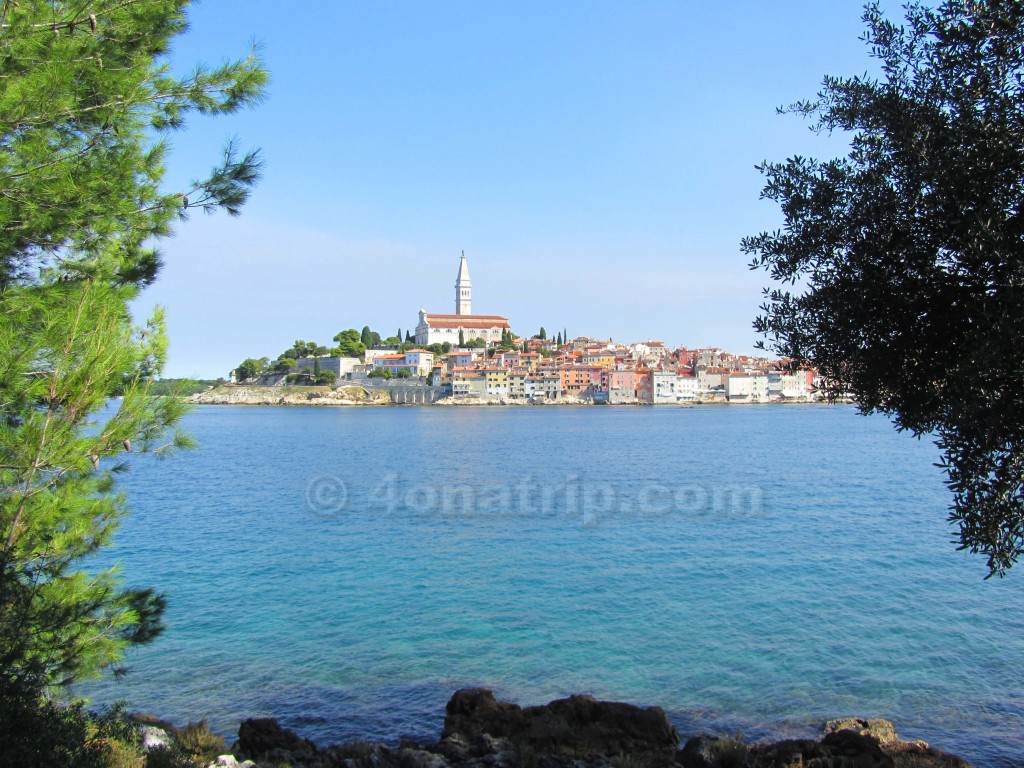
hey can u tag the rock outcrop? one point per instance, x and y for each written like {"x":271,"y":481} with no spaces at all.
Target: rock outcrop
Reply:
{"x":263,"y":738}
{"x":578,"y":726}
{"x":242,"y":395}
{"x":582,"y":732}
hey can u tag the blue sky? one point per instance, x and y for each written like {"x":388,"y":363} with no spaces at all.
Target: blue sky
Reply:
{"x":595,"y":161}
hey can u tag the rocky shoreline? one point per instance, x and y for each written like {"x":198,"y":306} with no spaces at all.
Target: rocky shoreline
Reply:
{"x":342,"y":396}
{"x":577,"y":732}
{"x":359,"y":396}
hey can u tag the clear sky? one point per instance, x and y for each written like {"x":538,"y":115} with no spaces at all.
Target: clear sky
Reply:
{"x":595,"y":161}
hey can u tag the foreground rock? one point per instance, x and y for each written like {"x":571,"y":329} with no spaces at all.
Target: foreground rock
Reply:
{"x":579,"y":726}
{"x":580,"y":732}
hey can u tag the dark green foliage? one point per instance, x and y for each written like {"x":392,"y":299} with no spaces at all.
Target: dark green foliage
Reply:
{"x":380,"y":373}
{"x":248,"y":370}
{"x":38,"y":733}
{"x":326,"y":377}
{"x":182,"y":387}
{"x":902,"y":264}
{"x":439,"y":349}
{"x":508,"y":339}
{"x":303,"y":349}
{"x":86,"y":97}
{"x":169,"y":757}
{"x":79,"y":169}
{"x":63,"y":348}
{"x":284,"y":365}
{"x":350,"y":343}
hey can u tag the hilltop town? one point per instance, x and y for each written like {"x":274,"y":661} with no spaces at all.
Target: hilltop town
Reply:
{"x":467,"y":358}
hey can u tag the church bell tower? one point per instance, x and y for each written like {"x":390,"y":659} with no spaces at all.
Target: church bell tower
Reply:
{"x":463,"y":290}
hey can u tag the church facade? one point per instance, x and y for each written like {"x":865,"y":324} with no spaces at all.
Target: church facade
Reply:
{"x":437,"y":329}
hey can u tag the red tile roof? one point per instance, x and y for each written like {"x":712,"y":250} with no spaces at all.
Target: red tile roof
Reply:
{"x":467,"y":321}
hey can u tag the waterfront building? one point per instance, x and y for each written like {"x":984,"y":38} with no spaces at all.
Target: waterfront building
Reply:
{"x":671,"y":387}
{"x":581,"y":381}
{"x":468,"y":383}
{"x":712,"y":380}
{"x":747,"y":388}
{"x":496,"y":381}
{"x":790,"y":385}
{"x":619,"y":386}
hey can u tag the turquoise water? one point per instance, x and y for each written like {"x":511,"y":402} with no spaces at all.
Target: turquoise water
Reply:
{"x":752,"y":568}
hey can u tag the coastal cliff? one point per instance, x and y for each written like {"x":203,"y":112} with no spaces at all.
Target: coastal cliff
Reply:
{"x":581,"y":732}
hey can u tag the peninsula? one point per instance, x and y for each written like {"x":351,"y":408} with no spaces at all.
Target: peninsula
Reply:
{"x":464,"y":358}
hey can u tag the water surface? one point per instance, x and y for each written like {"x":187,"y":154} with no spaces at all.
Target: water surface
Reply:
{"x":752,"y":568}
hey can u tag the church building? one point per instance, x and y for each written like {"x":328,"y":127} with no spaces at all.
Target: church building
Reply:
{"x":437,"y":329}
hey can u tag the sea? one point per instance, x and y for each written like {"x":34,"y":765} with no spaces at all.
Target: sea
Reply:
{"x":751,"y":569}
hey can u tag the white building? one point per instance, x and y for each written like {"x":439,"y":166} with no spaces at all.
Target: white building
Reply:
{"x":418,"y":362}
{"x":437,"y":329}
{"x":670,"y":387}
{"x":747,"y":388}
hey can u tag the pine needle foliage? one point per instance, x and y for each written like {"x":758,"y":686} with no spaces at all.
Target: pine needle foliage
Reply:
{"x":87,"y":99}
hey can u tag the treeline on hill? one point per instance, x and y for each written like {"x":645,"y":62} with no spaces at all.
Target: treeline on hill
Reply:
{"x":173,"y":387}
{"x":353,"y":343}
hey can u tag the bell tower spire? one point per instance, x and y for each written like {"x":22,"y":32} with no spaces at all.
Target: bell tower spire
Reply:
{"x":463,"y":289}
